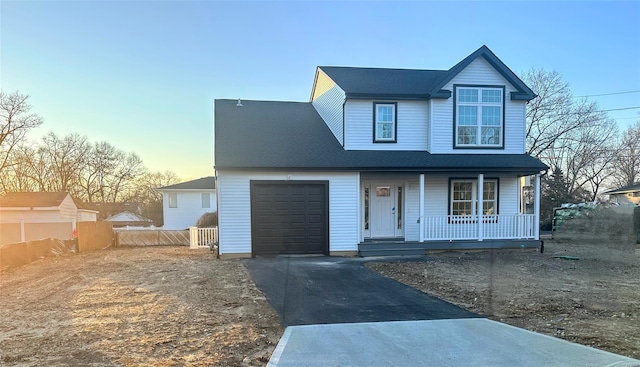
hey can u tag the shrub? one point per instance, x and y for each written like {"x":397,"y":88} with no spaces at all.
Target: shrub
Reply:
{"x":208,"y":220}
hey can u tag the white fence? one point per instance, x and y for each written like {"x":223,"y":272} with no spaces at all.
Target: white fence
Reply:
{"x":466,"y":227}
{"x":203,"y":237}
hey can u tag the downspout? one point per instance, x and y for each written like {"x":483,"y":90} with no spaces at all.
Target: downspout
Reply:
{"x":536,"y":218}
{"x":421,"y":210}
{"x":480,"y":205}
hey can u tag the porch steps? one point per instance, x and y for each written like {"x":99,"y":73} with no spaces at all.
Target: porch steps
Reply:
{"x":387,"y":248}
{"x":394,"y":248}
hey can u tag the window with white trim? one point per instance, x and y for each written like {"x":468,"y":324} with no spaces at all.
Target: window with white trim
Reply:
{"x":464,"y":197}
{"x":479,"y":115}
{"x":384,"y":122}
{"x":173,"y":200}
{"x":206,"y":200}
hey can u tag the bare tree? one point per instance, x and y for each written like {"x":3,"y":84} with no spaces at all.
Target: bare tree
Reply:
{"x":15,"y":122}
{"x":627,"y":162}
{"x":149,"y":197}
{"x":65,"y":157}
{"x":570,"y":135}
{"x":547,"y":113}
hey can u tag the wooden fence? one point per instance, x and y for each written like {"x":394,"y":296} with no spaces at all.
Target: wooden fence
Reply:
{"x":18,"y":254}
{"x":94,"y":235}
{"x":150,"y":237}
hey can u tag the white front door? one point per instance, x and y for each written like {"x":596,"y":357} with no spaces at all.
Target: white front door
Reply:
{"x":383,"y":210}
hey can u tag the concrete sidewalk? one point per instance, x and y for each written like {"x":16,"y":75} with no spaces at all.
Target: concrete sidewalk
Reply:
{"x":438,"y":343}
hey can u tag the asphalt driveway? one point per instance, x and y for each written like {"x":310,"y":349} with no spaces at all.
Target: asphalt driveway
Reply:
{"x":329,"y":290}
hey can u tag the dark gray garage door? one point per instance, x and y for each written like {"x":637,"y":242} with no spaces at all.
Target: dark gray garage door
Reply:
{"x":289,"y":217}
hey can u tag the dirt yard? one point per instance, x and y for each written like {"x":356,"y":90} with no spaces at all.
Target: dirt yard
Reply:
{"x":594,"y":301}
{"x":153,"y":306}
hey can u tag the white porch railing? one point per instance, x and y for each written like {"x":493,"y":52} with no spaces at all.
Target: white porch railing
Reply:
{"x":202,"y":237}
{"x":466,"y":227}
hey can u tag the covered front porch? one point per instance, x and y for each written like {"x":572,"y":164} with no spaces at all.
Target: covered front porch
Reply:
{"x":408,"y":215}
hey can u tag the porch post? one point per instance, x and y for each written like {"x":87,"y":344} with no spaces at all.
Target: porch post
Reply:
{"x":536,"y":201}
{"x":480,"y":206}
{"x":421,"y":210}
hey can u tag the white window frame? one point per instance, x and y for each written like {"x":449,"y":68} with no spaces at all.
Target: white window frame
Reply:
{"x":172,"y":199}
{"x":206,"y":203}
{"x":479,"y":104}
{"x":474,"y":196}
{"x":377,"y":121}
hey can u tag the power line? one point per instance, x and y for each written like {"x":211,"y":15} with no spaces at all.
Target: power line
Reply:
{"x":608,"y":94}
{"x":546,"y":110}
{"x":620,"y":109}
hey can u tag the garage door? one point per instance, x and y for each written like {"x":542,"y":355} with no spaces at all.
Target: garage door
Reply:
{"x":289,"y":217}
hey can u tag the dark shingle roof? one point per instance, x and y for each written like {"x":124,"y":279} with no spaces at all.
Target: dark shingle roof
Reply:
{"x":276,"y":135}
{"x":204,"y":183}
{"x":372,"y":82}
{"x":625,"y":189}
{"x":416,"y":84}
{"x":32,"y":199}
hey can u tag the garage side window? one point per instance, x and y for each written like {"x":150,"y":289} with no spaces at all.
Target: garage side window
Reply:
{"x":173,"y":200}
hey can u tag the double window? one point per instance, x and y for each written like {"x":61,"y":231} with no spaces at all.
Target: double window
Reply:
{"x":384,"y":122}
{"x":464,"y":197}
{"x":479,"y":115}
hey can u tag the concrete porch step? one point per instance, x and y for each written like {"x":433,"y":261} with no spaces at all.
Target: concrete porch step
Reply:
{"x":390,"y":252}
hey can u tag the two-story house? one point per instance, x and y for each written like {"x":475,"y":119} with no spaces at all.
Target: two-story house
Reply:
{"x":379,"y":161}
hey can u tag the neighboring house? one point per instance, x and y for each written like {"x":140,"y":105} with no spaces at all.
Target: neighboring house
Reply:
{"x":129,"y":219}
{"x":626,"y":196}
{"x":380,"y":161}
{"x":27,"y":216}
{"x":184,"y":203}
{"x":109,"y":209}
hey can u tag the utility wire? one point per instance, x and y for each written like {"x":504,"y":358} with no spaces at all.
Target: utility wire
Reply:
{"x":608,"y":94}
{"x":620,"y":109}
{"x":588,"y":111}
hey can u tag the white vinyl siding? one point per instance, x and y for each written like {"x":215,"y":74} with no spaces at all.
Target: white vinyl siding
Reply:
{"x":234,"y":207}
{"x":190,"y":208}
{"x":479,"y":73}
{"x":328,"y":100}
{"x":68,"y":208}
{"x":412,"y":211}
{"x":412,"y":126}
{"x":509,"y":199}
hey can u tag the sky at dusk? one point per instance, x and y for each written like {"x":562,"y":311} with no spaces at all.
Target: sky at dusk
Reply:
{"x":143,"y":75}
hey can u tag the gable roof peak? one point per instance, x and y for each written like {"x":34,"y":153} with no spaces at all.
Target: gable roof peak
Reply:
{"x":523,"y":93}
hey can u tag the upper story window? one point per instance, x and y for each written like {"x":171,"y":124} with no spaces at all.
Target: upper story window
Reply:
{"x":479,"y":115}
{"x":173,"y":200}
{"x":206,"y":200}
{"x":384,"y":122}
